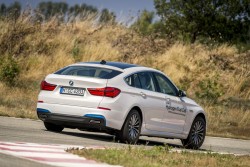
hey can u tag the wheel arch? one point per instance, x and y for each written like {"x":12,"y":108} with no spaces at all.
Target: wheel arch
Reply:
{"x":137,"y":108}
{"x":139,"y":111}
{"x":191,"y":120}
{"x":199,"y":114}
{"x":202,"y":115}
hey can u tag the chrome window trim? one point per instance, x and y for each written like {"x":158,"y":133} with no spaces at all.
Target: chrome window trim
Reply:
{"x":154,"y":83}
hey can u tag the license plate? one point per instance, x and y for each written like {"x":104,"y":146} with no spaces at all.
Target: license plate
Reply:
{"x":72,"y":91}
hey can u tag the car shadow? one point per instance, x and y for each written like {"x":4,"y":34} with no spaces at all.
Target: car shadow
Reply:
{"x":101,"y":137}
{"x":109,"y":138}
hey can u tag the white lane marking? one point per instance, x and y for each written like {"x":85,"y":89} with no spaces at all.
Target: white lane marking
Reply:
{"x":21,"y":144}
{"x":78,"y":165}
{"x":31,"y":148}
{"x":54,"y":155}
{"x":43,"y":154}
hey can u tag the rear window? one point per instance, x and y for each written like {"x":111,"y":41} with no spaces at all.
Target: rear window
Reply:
{"x":85,"y":71}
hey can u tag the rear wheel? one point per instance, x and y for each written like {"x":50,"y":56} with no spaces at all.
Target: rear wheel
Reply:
{"x":131,"y":129}
{"x":196,"y":135}
{"x":53,"y":127}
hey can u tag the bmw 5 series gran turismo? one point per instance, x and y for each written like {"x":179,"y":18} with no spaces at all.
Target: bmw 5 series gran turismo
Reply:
{"x":124,"y":100}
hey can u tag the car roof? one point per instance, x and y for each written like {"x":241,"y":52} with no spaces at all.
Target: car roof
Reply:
{"x":113,"y":64}
{"x":124,"y":67}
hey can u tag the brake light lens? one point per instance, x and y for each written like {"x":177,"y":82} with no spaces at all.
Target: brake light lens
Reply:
{"x":96,"y":91}
{"x":107,"y":91}
{"x":111,"y":92}
{"x":47,"y":86}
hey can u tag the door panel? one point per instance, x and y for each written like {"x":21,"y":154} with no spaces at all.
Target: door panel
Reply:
{"x":174,"y":111}
{"x":151,"y":102}
{"x":154,"y":112}
{"x":175,"y":115}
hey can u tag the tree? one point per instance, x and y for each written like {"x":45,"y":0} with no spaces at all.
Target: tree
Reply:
{"x":83,"y":11}
{"x":221,"y":20}
{"x":50,"y":9}
{"x":144,"y":23}
{"x":13,"y":11}
{"x":3,"y":10}
{"x":107,"y":16}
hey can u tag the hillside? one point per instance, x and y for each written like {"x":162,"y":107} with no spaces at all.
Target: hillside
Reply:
{"x":218,"y":77}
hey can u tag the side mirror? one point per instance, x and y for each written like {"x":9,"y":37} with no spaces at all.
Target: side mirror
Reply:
{"x":182,"y":93}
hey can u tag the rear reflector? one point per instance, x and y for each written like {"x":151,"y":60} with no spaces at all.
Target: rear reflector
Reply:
{"x":107,"y":91}
{"x":47,"y":86}
{"x":103,"y":108}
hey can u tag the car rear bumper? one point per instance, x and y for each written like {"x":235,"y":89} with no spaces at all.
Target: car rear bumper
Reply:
{"x":87,"y":122}
{"x":79,"y":117}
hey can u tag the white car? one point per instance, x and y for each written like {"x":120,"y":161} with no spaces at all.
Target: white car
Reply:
{"x":125,"y":100}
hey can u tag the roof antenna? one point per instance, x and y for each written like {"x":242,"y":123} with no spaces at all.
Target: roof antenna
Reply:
{"x":103,"y":62}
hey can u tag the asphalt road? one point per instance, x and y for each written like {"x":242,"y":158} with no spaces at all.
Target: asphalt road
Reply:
{"x":33,"y":131}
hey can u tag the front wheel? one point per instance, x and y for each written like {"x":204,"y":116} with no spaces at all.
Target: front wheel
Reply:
{"x":131,"y":129}
{"x":53,"y":127}
{"x":196,"y":135}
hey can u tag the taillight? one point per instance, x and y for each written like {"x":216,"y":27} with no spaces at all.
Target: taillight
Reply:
{"x":107,"y":91}
{"x":111,"y":92}
{"x":47,"y":86}
{"x":96,"y":91}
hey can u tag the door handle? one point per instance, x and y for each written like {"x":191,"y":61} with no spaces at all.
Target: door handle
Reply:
{"x":143,"y":95}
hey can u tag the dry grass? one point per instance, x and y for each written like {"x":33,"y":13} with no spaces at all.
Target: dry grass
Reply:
{"x":228,"y":122}
{"x":160,"y":156}
{"x":18,"y":102}
{"x":41,"y":49}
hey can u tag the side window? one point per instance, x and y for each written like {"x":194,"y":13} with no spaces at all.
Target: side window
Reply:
{"x":133,"y":80}
{"x":146,"y":80}
{"x":165,"y":86}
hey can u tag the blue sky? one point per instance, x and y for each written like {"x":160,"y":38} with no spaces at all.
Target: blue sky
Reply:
{"x":122,"y":8}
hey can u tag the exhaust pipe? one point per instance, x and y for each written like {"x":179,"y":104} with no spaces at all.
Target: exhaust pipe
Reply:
{"x":94,"y":121}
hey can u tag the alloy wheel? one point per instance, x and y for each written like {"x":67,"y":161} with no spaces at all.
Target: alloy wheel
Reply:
{"x":134,"y":124}
{"x":198,"y":132}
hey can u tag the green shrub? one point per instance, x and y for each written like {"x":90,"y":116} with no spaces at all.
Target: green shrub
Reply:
{"x":209,"y":89}
{"x":9,"y":71}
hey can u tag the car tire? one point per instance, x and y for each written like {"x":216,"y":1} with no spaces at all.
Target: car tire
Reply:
{"x":196,"y":135}
{"x":53,"y":127}
{"x":131,"y":129}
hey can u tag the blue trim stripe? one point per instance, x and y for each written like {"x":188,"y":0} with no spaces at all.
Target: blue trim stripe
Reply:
{"x":96,"y":116}
{"x":61,"y":90}
{"x":42,"y":110}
